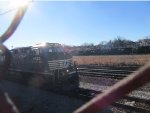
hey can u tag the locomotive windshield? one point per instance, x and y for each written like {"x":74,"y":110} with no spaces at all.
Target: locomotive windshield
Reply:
{"x":56,"y":49}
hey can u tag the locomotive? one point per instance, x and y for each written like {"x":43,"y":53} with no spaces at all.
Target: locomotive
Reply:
{"x":44,"y":65}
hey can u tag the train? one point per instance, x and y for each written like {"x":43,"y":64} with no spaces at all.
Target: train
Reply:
{"x":44,"y":65}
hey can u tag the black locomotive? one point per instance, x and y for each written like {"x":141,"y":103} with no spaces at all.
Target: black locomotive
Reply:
{"x":44,"y":65}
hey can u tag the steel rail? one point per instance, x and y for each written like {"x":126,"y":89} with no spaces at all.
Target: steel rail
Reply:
{"x":131,"y":108}
{"x":130,"y":67}
{"x":105,"y":75}
{"x":131,"y":98}
{"x":108,"y":70}
{"x":102,"y":73}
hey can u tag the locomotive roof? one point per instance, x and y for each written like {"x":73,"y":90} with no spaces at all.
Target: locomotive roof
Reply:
{"x":47,"y":44}
{"x":21,"y":48}
{"x":39,"y":45}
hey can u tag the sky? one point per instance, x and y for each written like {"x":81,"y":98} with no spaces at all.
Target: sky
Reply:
{"x":76,"y":23}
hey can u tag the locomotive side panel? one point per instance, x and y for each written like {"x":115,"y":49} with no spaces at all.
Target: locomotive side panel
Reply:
{"x":48,"y":63}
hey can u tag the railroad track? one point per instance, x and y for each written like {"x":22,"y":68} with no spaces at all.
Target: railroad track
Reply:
{"x":107,"y":70}
{"x":101,"y":71}
{"x":102,"y":74}
{"x":127,"y":103}
{"x":118,"y":67}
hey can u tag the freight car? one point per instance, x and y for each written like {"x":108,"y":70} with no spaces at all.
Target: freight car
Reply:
{"x":44,"y":65}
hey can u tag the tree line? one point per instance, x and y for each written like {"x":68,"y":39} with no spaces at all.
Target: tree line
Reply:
{"x":118,"y":46}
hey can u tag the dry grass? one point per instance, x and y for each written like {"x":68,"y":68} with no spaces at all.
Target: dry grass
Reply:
{"x":112,"y":59}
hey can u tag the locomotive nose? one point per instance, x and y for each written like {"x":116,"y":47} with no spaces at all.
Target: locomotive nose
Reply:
{"x":4,"y":60}
{"x":4,"y":57}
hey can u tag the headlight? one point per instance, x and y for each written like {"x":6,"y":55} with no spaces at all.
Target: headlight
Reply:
{"x":67,"y":70}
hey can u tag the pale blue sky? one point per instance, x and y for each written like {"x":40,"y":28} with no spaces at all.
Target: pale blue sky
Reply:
{"x":75,"y":23}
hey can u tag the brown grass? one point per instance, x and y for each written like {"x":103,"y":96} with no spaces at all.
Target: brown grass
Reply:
{"x":112,"y":59}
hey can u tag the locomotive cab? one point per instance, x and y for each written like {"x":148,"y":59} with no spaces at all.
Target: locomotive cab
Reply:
{"x":60,"y":64}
